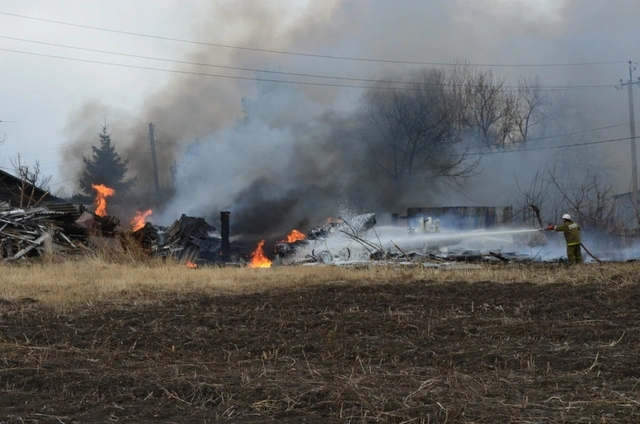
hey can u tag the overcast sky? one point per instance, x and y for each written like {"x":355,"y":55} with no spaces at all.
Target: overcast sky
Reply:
{"x":42,"y":93}
{"x":49,"y":96}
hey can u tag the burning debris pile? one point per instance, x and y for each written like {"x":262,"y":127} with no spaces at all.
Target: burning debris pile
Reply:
{"x":358,"y":239}
{"x":332,"y":227}
{"x":56,"y":228}
{"x":59,"y":228}
{"x":65,"y":228}
{"x":187,"y":238}
{"x":53,"y":228}
{"x":192,"y":240}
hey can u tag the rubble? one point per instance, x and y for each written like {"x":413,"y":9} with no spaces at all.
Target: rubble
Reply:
{"x":34,"y":231}
{"x":333,"y":226}
{"x":31,"y":232}
{"x":357,"y":240}
{"x":148,"y":236}
{"x":188,"y":238}
{"x":66,"y":229}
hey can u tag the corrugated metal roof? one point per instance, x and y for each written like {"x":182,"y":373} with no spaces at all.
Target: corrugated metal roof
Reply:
{"x":66,"y":208}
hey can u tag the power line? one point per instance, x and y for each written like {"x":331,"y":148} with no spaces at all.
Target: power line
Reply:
{"x":211,"y":65}
{"x":54,"y":150}
{"x":236,"y":77}
{"x":290,"y":53}
{"x":190,"y":72}
{"x":61,"y":182}
{"x":237,"y":68}
{"x":495,"y":152}
{"x":586,"y":143}
{"x":576,"y":132}
{"x":590,"y":143}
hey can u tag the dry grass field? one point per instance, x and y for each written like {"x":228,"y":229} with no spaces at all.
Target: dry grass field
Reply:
{"x":98,"y":341}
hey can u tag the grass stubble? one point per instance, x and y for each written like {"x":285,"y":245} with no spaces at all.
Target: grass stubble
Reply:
{"x":381,"y":343}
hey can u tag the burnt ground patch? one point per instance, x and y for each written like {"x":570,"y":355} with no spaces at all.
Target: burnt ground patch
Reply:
{"x":424,"y":351}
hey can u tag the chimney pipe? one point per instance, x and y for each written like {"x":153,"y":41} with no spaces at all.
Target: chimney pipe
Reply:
{"x":226,"y":247}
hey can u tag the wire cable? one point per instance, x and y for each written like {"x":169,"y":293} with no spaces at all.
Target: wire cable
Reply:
{"x":54,"y":150}
{"x":577,"y":132}
{"x":237,"y":77}
{"x":297,"y":74}
{"x":283,"y":52}
{"x":586,"y":143}
{"x":457,"y":155}
{"x":494,"y":152}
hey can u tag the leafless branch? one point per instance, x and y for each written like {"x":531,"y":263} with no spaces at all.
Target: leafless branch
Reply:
{"x":31,"y":178}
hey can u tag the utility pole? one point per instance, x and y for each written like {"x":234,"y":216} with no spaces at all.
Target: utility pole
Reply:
{"x":632,"y":128}
{"x":154,"y":161}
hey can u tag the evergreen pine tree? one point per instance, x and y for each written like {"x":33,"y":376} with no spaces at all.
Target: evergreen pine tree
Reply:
{"x":105,"y":166}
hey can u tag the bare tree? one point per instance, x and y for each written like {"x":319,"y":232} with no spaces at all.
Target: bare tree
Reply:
{"x":486,"y":107}
{"x":31,"y":178}
{"x":383,"y":114}
{"x":587,"y":197}
{"x":529,"y":109}
{"x":533,"y":202}
{"x":412,"y":132}
{"x":590,"y":200}
{"x":493,"y":114}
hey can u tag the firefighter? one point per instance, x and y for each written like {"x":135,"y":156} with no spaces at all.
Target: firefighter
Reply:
{"x":571,"y":232}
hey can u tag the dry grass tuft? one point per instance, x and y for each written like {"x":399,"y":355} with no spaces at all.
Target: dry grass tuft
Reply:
{"x":123,"y":249}
{"x":116,"y":274}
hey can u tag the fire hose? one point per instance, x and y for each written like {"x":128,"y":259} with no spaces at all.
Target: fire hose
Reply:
{"x":590,"y":254}
{"x":585,"y":249}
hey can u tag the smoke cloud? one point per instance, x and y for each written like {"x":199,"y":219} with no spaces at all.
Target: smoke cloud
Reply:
{"x":279,"y":155}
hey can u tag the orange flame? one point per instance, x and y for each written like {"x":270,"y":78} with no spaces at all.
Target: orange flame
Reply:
{"x":192,"y":265}
{"x":101,"y":198}
{"x":294,"y":236}
{"x":258,"y":259}
{"x":140,"y":219}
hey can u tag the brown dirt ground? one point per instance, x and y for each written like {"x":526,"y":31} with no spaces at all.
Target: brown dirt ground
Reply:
{"x":407,"y":352}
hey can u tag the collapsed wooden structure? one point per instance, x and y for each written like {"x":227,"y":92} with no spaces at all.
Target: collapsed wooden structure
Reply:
{"x":66,"y":229}
{"x":53,"y":228}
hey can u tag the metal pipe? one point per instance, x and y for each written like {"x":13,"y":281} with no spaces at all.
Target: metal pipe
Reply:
{"x":226,"y":245}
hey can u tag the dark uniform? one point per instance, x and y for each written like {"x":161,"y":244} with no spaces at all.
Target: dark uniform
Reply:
{"x":571,"y":232}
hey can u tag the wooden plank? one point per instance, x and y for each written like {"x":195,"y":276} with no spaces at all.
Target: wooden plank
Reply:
{"x":27,"y":249}
{"x":61,"y":234}
{"x":30,"y":240}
